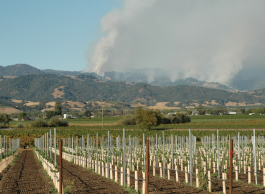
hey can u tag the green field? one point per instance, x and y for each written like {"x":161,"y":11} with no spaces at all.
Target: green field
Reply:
{"x":200,"y":126}
{"x":222,"y":118}
{"x":197,"y":122}
{"x":95,"y":120}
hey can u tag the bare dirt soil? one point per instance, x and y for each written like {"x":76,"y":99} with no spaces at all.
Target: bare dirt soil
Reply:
{"x":25,"y":176}
{"x":240,"y":187}
{"x":84,"y":181}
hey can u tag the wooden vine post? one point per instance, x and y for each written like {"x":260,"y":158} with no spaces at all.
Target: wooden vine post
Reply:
{"x":231,"y":168}
{"x":61,"y":169}
{"x":147,"y":167}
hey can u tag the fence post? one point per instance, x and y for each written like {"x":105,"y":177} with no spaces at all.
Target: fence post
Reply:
{"x":61,"y":169}
{"x":231,"y":167}
{"x":147,"y":167}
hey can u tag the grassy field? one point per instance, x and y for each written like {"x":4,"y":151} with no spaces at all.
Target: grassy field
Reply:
{"x":200,"y":126}
{"x":222,"y":118}
{"x":95,"y":120}
{"x":197,"y":122}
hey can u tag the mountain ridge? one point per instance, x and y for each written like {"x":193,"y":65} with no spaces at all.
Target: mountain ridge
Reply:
{"x":36,"y":87}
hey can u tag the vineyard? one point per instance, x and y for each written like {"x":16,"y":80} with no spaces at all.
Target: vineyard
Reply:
{"x":137,"y":163}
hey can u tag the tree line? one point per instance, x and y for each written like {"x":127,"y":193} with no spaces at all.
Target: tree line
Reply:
{"x":147,"y":118}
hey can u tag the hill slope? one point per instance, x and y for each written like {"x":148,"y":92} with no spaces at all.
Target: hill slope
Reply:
{"x":19,"y":70}
{"x":87,"y":87}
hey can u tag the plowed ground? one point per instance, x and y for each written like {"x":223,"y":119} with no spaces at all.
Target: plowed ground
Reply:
{"x":25,"y":176}
{"x":84,"y":181}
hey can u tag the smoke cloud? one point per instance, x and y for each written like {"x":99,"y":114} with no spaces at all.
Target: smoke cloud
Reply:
{"x":207,"y":40}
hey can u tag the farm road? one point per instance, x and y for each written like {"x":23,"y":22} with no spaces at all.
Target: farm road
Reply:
{"x":25,"y":176}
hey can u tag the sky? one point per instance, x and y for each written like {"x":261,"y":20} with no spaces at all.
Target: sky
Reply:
{"x":208,"y":40}
{"x":51,"y":34}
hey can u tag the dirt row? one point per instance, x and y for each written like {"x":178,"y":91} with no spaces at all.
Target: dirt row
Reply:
{"x":239,"y":187}
{"x":82,"y":180}
{"x":25,"y":176}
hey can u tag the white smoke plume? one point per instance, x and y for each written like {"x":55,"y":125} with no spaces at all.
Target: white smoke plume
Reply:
{"x":207,"y":40}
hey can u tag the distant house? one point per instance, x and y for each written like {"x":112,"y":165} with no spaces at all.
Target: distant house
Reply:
{"x":194,"y":112}
{"x":234,"y":113}
{"x":32,"y":118}
{"x":67,"y":115}
{"x":171,"y":113}
{"x":208,"y":114}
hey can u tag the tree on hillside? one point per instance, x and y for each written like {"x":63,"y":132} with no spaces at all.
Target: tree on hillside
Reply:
{"x":58,"y":108}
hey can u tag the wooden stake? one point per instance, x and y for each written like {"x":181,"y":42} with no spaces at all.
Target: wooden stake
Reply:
{"x":60,"y":170}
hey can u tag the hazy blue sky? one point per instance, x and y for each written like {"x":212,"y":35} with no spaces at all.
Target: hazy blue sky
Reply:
{"x":50,"y":34}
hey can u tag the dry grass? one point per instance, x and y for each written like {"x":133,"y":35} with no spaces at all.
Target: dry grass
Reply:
{"x":105,"y":103}
{"x":29,"y":103}
{"x":231,"y":104}
{"x":138,"y":104}
{"x":16,"y":101}
{"x":214,"y":102}
{"x":50,"y":103}
{"x":10,"y":77}
{"x":9,"y":110}
{"x":161,"y":106}
{"x":48,"y":109}
{"x":57,"y":93}
{"x":78,"y":104}
{"x":195,"y":104}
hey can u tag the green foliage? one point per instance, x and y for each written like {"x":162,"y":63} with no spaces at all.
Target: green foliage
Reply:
{"x":183,"y":118}
{"x":20,"y":126}
{"x":170,"y":119}
{"x":4,"y":118}
{"x":41,"y":86}
{"x":22,"y":115}
{"x":58,"y":108}
{"x":39,"y":123}
{"x":50,"y":114}
{"x":146,"y":119}
{"x":87,"y":113}
{"x":128,"y":120}
{"x":189,"y":112}
{"x":56,"y":121}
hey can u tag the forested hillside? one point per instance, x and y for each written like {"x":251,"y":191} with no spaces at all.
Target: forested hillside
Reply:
{"x":87,"y":87}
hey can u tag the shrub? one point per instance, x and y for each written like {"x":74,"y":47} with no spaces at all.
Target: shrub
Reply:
{"x":171,"y":119}
{"x":183,"y":118}
{"x":128,"y":120}
{"x":4,"y":120}
{"x":50,"y":114}
{"x":55,"y":121}
{"x":39,"y":123}
{"x":20,"y":125}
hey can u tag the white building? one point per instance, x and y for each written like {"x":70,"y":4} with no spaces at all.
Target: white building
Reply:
{"x":67,"y":115}
{"x":234,"y":113}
